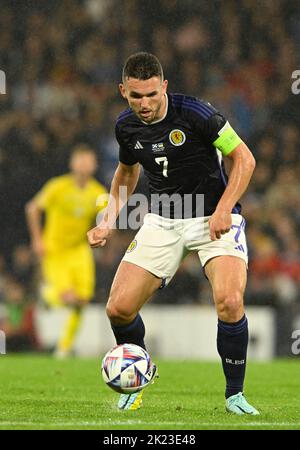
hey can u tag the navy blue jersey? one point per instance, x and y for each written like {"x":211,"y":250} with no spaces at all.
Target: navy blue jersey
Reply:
{"x":177,"y":153}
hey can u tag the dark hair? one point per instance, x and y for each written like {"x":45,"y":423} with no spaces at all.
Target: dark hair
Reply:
{"x":142,"y":66}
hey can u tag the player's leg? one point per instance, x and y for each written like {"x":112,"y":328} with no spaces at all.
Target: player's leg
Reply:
{"x":68,"y":281}
{"x":132,"y":287}
{"x":69,"y":331}
{"x":225,"y":262}
{"x":80,"y":266}
{"x":55,"y":279}
{"x":150,"y":261}
{"x":56,"y":288}
{"x":227,"y":276}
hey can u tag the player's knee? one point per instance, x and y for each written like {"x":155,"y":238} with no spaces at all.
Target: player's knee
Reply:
{"x":229,"y":305}
{"x":118,"y":314}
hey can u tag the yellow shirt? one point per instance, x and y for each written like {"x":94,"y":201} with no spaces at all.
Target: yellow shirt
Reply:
{"x":70,"y":211}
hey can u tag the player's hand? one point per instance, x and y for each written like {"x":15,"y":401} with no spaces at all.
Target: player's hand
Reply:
{"x":38,"y":248}
{"x":219,"y":223}
{"x":98,"y":236}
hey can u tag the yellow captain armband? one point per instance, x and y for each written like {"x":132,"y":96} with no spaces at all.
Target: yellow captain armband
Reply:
{"x":228,"y":140}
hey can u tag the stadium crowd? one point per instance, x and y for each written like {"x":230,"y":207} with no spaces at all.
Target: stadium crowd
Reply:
{"x":63,"y":62}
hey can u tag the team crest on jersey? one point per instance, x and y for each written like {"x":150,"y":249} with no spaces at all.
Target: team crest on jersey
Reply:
{"x":177,"y":137}
{"x":131,"y":246}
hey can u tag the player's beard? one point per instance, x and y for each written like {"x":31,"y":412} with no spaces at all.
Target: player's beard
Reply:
{"x":152,"y":117}
{"x":155,"y":117}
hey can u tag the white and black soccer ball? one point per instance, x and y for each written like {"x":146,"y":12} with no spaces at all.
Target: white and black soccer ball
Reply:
{"x":127,"y":368}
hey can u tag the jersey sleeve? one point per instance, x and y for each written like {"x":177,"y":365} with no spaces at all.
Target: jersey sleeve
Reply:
{"x":45,"y":197}
{"x":221,"y":135}
{"x":125,"y":154}
{"x":217,"y":131}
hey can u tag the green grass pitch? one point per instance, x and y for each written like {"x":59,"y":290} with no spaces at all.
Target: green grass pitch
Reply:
{"x":38,"y":392}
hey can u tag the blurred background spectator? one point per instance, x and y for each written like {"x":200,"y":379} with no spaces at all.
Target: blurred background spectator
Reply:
{"x":63,"y":62}
{"x":17,"y":322}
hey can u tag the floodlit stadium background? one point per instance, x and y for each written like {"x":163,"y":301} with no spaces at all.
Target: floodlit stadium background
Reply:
{"x":63,"y":60}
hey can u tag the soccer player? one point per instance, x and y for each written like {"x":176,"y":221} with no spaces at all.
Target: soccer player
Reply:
{"x":69,"y":203}
{"x":180,"y":141}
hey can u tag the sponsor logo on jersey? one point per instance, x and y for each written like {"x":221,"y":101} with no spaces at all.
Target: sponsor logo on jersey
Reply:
{"x":131,"y":246}
{"x":158,"y":147}
{"x":138,"y":145}
{"x":177,"y":137}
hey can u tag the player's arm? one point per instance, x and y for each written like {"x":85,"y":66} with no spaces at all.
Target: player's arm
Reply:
{"x":34,"y":210}
{"x":243,"y":165}
{"x":123,"y":184}
{"x":218,"y":133}
{"x":34,"y":221}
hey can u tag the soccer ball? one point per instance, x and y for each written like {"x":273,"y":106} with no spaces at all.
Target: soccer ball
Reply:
{"x":127,"y":368}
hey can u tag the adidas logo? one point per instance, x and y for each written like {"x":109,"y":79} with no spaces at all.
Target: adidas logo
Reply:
{"x":138,"y":145}
{"x":239,"y":247}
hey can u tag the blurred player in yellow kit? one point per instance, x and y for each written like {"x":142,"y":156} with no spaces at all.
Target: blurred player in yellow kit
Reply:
{"x":69,"y":204}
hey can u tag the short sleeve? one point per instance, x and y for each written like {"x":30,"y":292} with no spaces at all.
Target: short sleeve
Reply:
{"x":125,"y":155}
{"x":212,"y":126}
{"x":219,"y":133}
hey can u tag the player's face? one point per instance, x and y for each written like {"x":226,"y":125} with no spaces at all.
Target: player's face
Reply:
{"x":83,"y":165}
{"x":145,"y":97}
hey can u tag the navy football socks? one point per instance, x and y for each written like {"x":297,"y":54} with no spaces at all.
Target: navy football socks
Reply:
{"x":132,"y":333}
{"x":232,"y":343}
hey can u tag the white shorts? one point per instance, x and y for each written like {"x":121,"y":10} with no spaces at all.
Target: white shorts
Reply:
{"x":161,"y":244}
